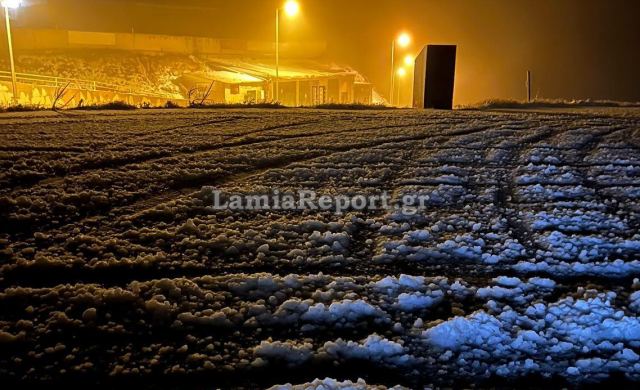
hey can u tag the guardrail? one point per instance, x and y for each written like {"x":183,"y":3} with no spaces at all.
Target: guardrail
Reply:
{"x":79,"y":84}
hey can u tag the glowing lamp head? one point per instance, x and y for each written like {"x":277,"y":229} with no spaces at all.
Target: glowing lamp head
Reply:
{"x":291,"y":8}
{"x":404,"y":40}
{"x":408,"y":60}
{"x":402,"y":72}
{"x":13,"y":4}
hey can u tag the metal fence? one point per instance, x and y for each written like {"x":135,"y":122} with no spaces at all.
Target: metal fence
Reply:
{"x":83,"y":85}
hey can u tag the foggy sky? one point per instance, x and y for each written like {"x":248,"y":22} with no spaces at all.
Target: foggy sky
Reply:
{"x":575,"y":48}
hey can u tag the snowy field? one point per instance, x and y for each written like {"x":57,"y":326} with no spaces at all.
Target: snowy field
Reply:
{"x":521,"y":271}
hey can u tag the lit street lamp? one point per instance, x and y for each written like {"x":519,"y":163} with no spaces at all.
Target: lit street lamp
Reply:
{"x":291,"y":9}
{"x":11,"y":4}
{"x":409,"y":60}
{"x":403,"y":40}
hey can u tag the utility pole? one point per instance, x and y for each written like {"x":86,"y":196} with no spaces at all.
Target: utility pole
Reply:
{"x":277,"y":83}
{"x":14,"y":81}
{"x":528,"y":86}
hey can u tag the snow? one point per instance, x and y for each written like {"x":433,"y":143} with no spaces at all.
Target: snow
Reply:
{"x":519,"y":264}
{"x":418,"y":301}
{"x":404,"y":281}
{"x":563,"y":330}
{"x":291,"y":352}
{"x":576,"y":221}
{"x":374,"y":348}
{"x":543,"y":283}
{"x":615,"y":269}
{"x":463,"y":247}
{"x":514,"y":290}
{"x":635,"y":302}
{"x":331,"y":384}
{"x":563,"y":175}
{"x":508,"y":281}
{"x":346,"y":310}
{"x":587,"y":248}
{"x":478,"y":330}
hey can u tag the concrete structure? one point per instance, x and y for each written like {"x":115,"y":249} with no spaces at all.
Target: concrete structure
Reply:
{"x":434,"y":77}
{"x":305,"y":83}
{"x":237,"y":71}
{"x":53,"y":39}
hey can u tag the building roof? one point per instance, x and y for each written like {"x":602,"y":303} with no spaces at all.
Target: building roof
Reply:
{"x":236,"y":70}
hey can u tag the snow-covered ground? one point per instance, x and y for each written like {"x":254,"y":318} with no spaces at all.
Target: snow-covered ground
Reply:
{"x":522,"y":269}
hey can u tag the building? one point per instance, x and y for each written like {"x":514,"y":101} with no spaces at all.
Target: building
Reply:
{"x":179,"y":68}
{"x":301,"y":83}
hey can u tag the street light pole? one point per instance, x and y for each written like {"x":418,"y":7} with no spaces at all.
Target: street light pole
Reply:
{"x":393,"y":71}
{"x":277,"y":83}
{"x":403,"y":40}
{"x":401,"y":73}
{"x":291,"y":9}
{"x":10,"y":44}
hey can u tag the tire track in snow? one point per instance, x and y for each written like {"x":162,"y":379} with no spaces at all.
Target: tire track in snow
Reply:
{"x":129,"y":211}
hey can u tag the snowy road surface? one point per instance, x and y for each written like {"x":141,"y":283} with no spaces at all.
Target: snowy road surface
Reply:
{"x":522,"y":269}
